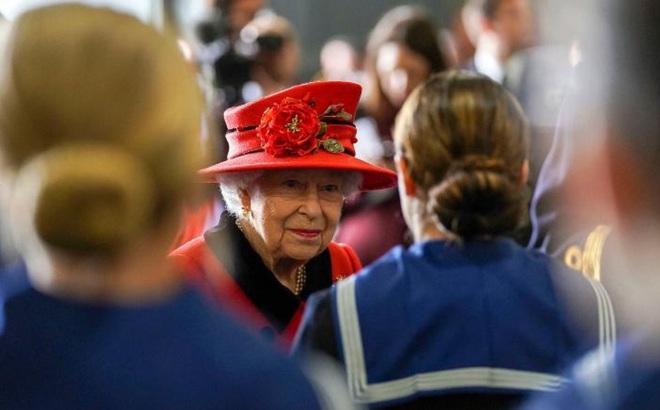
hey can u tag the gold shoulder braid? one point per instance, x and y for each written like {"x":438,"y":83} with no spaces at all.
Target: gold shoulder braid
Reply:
{"x":588,"y":260}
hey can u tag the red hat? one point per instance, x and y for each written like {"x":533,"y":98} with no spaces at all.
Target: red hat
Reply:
{"x":305,"y":126}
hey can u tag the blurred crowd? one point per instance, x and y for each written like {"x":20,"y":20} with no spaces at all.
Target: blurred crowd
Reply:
{"x":445,"y":214}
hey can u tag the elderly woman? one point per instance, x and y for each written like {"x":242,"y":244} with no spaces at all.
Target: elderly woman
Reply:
{"x":99,"y":123}
{"x":464,"y":318}
{"x":290,"y":165}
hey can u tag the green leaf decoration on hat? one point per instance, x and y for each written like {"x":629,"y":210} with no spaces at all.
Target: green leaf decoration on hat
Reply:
{"x":336,"y":112}
{"x":332,"y":145}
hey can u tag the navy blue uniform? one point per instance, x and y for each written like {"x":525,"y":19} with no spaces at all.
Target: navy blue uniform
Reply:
{"x":440,"y":322}
{"x":627,"y":378}
{"x":178,"y":354}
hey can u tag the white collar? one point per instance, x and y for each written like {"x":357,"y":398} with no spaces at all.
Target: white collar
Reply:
{"x":487,"y":64}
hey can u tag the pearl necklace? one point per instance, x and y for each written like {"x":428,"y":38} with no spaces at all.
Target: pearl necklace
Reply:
{"x":301,"y":278}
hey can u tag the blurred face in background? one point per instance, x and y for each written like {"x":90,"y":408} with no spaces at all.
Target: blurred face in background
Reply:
{"x":338,"y":60}
{"x":278,"y":49}
{"x":513,"y":20}
{"x":241,"y":12}
{"x":400,"y":70}
{"x":285,"y":64}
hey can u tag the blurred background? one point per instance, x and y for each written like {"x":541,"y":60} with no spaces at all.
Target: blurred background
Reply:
{"x":315,"y":20}
{"x":318,"y":20}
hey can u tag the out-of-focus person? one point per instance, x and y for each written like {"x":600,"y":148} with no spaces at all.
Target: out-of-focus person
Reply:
{"x":224,"y":66}
{"x":499,"y":29}
{"x":540,"y":75}
{"x":403,"y":49}
{"x":275,"y":54}
{"x":459,"y":45}
{"x":219,"y":33}
{"x":614,"y":168}
{"x":291,"y":165}
{"x":465,"y":317}
{"x":99,"y":123}
{"x":580,"y":243}
{"x":340,"y":59}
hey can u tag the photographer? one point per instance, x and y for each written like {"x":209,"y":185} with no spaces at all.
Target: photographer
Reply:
{"x":219,"y":35}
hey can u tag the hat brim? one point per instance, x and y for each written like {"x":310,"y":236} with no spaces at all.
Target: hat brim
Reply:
{"x":374,"y":177}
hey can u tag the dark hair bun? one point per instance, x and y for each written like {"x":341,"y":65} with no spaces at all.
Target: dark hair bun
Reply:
{"x":477,"y":198}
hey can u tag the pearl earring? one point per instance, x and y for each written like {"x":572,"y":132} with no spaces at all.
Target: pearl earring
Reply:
{"x":245,"y":212}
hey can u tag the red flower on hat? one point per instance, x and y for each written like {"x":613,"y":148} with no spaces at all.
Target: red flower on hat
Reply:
{"x":293,"y":128}
{"x":290,"y":128}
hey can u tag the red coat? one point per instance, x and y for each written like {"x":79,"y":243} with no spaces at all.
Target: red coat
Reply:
{"x":202,"y":265}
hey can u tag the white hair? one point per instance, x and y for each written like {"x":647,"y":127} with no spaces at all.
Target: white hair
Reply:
{"x":231,"y":184}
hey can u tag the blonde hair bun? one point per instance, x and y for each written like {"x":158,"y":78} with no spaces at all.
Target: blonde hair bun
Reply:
{"x":86,"y":197}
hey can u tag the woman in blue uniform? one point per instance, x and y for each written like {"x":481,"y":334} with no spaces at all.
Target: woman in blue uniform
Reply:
{"x":464,"y":318}
{"x":99,"y":122}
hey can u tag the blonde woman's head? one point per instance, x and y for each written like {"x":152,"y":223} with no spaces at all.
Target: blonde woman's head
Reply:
{"x":99,"y":126}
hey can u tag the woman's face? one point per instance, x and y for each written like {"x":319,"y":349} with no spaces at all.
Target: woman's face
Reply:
{"x":400,"y":70}
{"x":294,"y":212}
